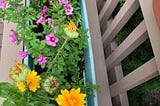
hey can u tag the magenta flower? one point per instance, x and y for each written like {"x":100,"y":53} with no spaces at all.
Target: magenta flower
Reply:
{"x":51,"y":39}
{"x":41,"y":60}
{"x":18,"y":8}
{"x":23,"y":54}
{"x":50,"y":3}
{"x":41,"y":20}
{"x":43,"y":14}
{"x":68,"y":9}
{"x":13,"y":36}
{"x":63,"y":2}
{"x":2,"y":5}
{"x":45,"y":8}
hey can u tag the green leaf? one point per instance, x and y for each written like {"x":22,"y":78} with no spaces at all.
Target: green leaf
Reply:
{"x":9,"y":92}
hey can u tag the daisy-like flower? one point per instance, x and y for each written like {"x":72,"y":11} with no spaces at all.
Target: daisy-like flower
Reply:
{"x":13,"y":36}
{"x":41,"y":60}
{"x":71,"y":98}
{"x":23,"y":54}
{"x":68,"y":9}
{"x":21,"y":86}
{"x":51,"y":39}
{"x":2,"y":5}
{"x":32,"y":80}
{"x":63,"y":2}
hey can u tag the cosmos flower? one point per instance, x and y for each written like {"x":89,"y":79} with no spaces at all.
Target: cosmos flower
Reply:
{"x":51,"y":39}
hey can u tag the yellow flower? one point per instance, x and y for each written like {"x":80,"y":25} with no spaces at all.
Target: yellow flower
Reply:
{"x":71,"y":98}
{"x":71,"y":26}
{"x":21,"y":86}
{"x":32,"y":80}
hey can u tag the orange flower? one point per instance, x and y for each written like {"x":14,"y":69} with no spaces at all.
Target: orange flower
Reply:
{"x":71,"y":26}
{"x":71,"y":98}
{"x":32,"y":80}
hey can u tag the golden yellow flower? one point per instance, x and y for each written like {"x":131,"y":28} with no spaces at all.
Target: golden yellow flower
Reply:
{"x":71,"y":98}
{"x":71,"y":26}
{"x":21,"y":86}
{"x":32,"y":80}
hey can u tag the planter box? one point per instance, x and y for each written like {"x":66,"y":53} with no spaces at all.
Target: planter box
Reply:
{"x":89,"y":73}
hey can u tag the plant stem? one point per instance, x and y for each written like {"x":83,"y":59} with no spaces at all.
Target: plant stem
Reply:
{"x":59,"y":51}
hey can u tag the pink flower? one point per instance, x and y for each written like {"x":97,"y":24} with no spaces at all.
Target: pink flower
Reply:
{"x":43,"y":14}
{"x":2,"y":5}
{"x":23,"y":54}
{"x":41,"y":20}
{"x":45,"y":8}
{"x":50,"y":3}
{"x":68,"y":9}
{"x":18,"y":8}
{"x":41,"y":60}
{"x":51,"y":40}
{"x":63,"y":2}
{"x":13,"y":36}
{"x":50,"y":21}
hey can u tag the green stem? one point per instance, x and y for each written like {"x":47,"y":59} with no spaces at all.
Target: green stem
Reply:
{"x":59,"y":51}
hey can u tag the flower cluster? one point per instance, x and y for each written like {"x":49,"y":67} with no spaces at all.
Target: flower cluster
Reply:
{"x":51,"y":31}
{"x":25,"y":78}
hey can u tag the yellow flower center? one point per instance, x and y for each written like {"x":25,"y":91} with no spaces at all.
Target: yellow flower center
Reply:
{"x":71,"y":26}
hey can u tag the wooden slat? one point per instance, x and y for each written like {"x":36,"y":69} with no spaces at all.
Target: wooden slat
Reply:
{"x":144,"y":73}
{"x":104,"y":98}
{"x":0,"y":40}
{"x":1,"y":28}
{"x":122,"y":99}
{"x":136,"y":38}
{"x":100,"y":4}
{"x":152,"y":28}
{"x":119,"y":21}
{"x":106,"y":12}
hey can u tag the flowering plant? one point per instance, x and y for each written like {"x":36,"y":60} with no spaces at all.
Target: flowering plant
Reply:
{"x":52,"y":34}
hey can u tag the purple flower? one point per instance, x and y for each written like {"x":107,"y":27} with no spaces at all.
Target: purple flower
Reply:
{"x":68,"y":9}
{"x":45,"y":8}
{"x":43,"y":14}
{"x":41,"y":60}
{"x":41,"y":20}
{"x":51,"y":40}
{"x":50,"y":3}
{"x":13,"y":36}
{"x":23,"y":54}
{"x":63,"y":2}
{"x":18,"y":8}
{"x":2,"y":5}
